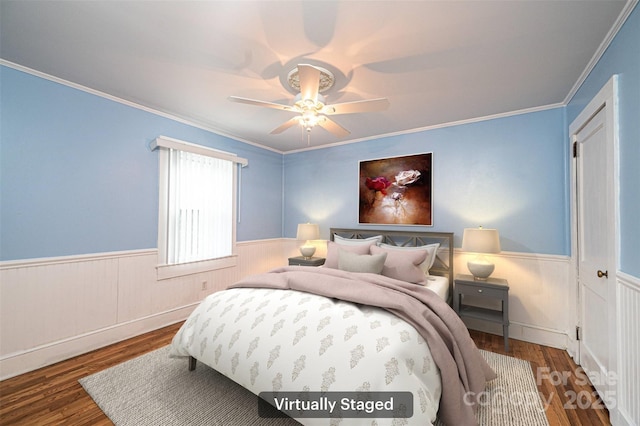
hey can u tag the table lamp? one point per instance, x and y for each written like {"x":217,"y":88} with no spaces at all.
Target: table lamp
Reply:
{"x":307,"y":232}
{"x":480,"y":241}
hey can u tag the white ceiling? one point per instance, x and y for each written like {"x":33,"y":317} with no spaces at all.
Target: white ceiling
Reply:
{"x":436,"y":61}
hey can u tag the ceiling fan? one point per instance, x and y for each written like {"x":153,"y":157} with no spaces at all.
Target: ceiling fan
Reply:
{"x":309,"y":104}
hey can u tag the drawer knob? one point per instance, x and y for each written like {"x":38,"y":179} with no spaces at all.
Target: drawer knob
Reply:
{"x":480,"y":291}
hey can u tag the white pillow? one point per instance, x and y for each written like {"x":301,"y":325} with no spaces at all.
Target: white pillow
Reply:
{"x":432,"y":249}
{"x":356,"y":241}
{"x":369,"y":263}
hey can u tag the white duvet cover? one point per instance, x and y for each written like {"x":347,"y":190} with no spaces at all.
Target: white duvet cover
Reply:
{"x":285,"y":340}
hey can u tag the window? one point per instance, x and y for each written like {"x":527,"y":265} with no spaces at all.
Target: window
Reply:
{"x":197,"y":211}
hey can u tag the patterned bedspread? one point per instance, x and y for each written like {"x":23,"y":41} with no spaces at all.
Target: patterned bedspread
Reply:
{"x":321,"y":329}
{"x":287,"y":340}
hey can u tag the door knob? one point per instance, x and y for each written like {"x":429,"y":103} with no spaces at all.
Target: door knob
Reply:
{"x":603,"y":274}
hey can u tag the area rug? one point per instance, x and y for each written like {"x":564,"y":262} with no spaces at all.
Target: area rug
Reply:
{"x":154,"y":390}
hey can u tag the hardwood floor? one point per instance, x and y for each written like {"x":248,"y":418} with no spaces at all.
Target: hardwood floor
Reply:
{"x":569,"y":398}
{"x":53,"y":396}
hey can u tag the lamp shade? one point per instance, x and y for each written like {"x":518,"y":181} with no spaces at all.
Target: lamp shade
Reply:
{"x":480,"y":240}
{"x":308,"y":231}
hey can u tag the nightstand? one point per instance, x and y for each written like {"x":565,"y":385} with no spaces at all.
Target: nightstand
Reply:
{"x":306,"y":261}
{"x":491,"y":288}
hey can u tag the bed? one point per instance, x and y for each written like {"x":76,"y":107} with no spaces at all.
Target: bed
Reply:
{"x":374,"y":320}
{"x":439,"y":274}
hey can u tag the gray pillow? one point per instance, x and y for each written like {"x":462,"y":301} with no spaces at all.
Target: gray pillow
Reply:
{"x":332,"y":252}
{"x":352,"y":262}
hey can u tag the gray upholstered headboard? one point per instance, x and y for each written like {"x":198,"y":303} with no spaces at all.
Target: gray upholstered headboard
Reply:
{"x":443,"y":265}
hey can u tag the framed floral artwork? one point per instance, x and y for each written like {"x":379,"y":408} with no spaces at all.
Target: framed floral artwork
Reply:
{"x":396,"y":190}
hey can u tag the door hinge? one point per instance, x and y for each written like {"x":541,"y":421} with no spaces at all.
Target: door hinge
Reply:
{"x":578,"y":333}
{"x":575,"y":149}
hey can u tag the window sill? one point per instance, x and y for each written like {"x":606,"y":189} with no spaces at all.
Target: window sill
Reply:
{"x":166,"y":272}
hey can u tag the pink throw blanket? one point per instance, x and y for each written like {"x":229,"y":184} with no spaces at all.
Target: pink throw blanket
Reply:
{"x":461,"y":365}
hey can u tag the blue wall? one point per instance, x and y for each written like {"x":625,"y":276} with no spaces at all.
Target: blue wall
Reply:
{"x":77,"y":175}
{"x":508,"y":173}
{"x":622,"y":58}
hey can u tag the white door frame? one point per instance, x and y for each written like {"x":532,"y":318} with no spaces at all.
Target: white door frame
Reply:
{"x":607,"y":96}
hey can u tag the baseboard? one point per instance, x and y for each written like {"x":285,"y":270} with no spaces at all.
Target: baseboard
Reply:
{"x":541,"y":336}
{"x":525,"y":332}
{"x":18,"y":363}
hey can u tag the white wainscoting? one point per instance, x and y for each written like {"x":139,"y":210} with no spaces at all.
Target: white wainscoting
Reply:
{"x":541,"y":305}
{"x":53,"y":309}
{"x":628,"y":374}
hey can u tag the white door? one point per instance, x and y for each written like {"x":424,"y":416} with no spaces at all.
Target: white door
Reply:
{"x":596,"y":269}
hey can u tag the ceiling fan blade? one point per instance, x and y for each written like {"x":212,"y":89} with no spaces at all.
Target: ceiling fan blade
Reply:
{"x":284,"y":126}
{"x":368,"y":105}
{"x":261,"y":103}
{"x":309,"y":77}
{"x":333,"y":127}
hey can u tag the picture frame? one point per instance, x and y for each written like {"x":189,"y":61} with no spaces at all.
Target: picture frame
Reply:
{"x":396,"y":190}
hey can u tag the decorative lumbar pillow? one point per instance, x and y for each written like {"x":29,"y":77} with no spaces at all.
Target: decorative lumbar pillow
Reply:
{"x":356,"y":241}
{"x":432,"y":250}
{"x":403,"y":265}
{"x":352,"y":262}
{"x":332,"y":252}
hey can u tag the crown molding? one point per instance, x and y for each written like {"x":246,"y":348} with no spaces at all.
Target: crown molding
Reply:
{"x":183,"y":120}
{"x":622,"y":18}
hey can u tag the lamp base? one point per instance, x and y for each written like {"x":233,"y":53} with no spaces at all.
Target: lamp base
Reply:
{"x":307,"y":251}
{"x":480,"y":269}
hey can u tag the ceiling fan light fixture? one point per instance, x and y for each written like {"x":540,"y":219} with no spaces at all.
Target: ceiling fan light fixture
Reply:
{"x":309,"y":119}
{"x":308,"y":104}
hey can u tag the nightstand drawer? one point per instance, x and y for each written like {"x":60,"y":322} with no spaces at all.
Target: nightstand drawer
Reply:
{"x":472,"y":290}
{"x":306,"y":261}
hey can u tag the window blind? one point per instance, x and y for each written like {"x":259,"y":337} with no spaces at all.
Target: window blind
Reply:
{"x":200,"y":213}
{"x":197,"y":207}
